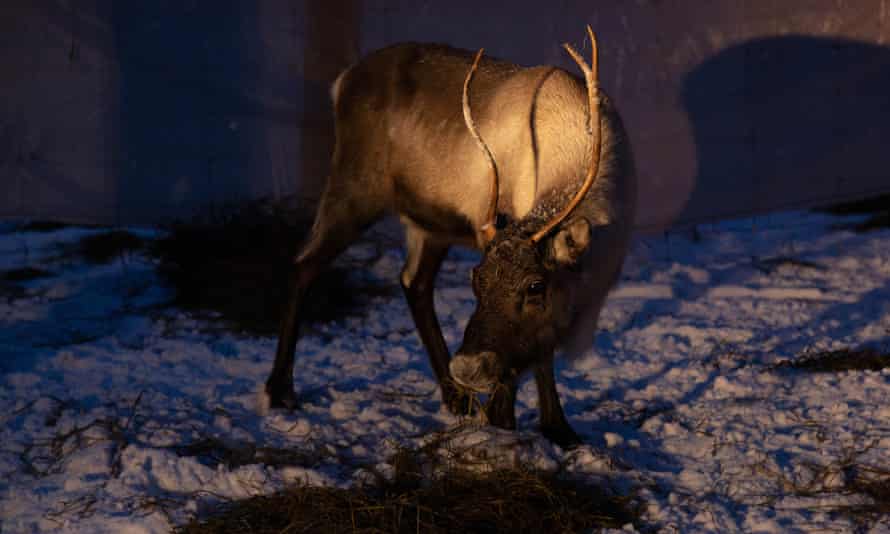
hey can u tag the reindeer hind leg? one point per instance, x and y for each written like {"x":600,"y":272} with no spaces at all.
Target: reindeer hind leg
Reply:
{"x":342,"y":217}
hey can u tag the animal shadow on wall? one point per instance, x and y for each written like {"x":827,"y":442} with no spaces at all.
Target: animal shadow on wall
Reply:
{"x":788,"y":121}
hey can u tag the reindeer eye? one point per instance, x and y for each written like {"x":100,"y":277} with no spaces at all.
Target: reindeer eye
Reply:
{"x":536,"y":288}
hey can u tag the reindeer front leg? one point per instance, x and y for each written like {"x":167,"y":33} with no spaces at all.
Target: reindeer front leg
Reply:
{"x":418,"y":282}
{"x":554,"y":425}
{"x":500,"y":411}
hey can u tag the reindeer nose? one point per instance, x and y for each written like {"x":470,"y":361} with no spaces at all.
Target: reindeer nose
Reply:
{"x":477,"y":372}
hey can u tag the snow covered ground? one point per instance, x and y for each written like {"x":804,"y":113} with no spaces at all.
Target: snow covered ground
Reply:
{"x":102,"y":386}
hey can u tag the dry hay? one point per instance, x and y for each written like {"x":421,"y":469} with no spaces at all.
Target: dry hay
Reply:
{"x":505,"y":500}
{"x":838,"y":360}
{"x":847,"y":486}
{"x":873,"y":485}
{"x":432,"y":488}
{"x":214,"y":452}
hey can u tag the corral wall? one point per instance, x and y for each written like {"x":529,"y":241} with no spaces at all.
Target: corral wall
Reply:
{"x":136,"y":112}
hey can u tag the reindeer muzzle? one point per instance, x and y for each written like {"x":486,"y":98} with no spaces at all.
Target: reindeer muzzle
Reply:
{"x":478,"y":372}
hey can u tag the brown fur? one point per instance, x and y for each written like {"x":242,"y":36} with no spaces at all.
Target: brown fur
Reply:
{"x":403,"y":147}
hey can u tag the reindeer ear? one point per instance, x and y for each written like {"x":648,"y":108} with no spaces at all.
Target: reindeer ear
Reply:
{"x":569,"y":243}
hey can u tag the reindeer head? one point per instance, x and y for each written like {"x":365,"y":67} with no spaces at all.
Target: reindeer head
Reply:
{"x":520,"y":302}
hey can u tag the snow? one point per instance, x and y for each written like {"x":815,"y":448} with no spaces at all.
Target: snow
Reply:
{"x":102,"y":385}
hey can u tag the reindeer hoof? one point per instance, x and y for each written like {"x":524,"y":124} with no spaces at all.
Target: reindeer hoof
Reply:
{"x":563,"y":436}
{"x":282,"y":397}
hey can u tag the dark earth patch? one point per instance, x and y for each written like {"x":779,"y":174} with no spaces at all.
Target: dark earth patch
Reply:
{"x":23,"y":274}
{"x":106,"y":246}
{"x":237,"y":265}
{"x":877,"y":207}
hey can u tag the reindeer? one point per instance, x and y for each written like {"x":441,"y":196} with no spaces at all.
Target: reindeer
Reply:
{"x":537,"y":173}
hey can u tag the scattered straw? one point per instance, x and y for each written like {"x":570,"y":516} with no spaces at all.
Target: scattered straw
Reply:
{"x":512,"y":500}
{"x":865,"y":487}
{"x":430,"y":488}
{"x":838,"y":361}
{"x":214,"y":451}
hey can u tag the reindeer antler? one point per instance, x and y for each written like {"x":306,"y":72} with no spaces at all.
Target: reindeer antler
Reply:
{"x":487,"y":230}
{"x":593,"y":102}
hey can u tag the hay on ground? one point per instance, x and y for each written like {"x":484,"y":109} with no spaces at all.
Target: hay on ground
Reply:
{"x":232,"y":454}
{"x":836,"y":361}
{"x":431,"y":488}
{"x":865,"y":486}
{"x":507,"y":500}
